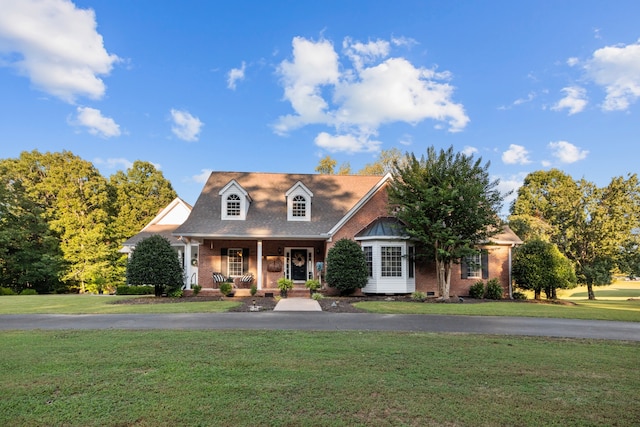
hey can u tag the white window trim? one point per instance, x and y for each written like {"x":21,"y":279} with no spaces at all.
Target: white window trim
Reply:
{"x":474,"y":261}
{"x":234,"y":188}
{"x":299,"y":189}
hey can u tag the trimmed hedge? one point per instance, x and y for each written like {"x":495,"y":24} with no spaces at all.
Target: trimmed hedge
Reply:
{"x":135,"y":290}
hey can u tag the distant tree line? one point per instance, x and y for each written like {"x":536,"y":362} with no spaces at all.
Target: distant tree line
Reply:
{"x":62,"y":222}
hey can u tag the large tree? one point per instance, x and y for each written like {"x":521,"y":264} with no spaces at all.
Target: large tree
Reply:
{"x":592,"y":226}
{"x":384,"y":164}
{"x":448,"y":203}
{"x":76,"y":202}
{"x":154,"y":263}
{"x":30,"y":255}
{"x":141,"y":192}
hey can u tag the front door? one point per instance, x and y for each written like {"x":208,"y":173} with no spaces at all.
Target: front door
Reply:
{"x":299,"y":264}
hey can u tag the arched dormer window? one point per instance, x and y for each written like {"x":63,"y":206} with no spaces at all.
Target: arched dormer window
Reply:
{"x":299,"y":203}
{"x":299,"y":207}
{"x":234,"y":202}
{"x":233,"y":205}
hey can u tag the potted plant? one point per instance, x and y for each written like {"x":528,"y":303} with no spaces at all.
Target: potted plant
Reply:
{"x":313,"y":285}
{"x":226,"y":289}
{"x":285,"y":285}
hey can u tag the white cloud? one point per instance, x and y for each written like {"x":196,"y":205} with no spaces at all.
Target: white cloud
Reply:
{"x":573,"y":61}
{"x":516,"y":154}
{"x":114,"y":163}
{"x":348,"y":143}
{"x":361,"y":54}
{"x":469,"y":150}
{"x":203,"y":176}
{"x":55,"y":45}
{"x":356,"y":102}
{"x":96,"y":123}
{"x":575,"y":100}
{"x":185,"y":126}
{"x":617,"y":69}
{"x":235,"y":75}
{"x":567,"y":152}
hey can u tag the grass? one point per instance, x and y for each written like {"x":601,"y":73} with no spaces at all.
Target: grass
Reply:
{"x":612,"y":303}
{"x":101,"y":304}
{"x":167,"y":378}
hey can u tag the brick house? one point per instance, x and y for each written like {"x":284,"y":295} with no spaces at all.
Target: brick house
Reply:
{"x":270,"y":225}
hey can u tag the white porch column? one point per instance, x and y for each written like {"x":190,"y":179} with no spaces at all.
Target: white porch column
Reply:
{"x":259,"y":265}
{"x":187,"y":261}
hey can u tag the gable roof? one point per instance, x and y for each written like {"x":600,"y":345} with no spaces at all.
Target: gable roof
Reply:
{"x":163,"y":224}
{"x":334,"y":197}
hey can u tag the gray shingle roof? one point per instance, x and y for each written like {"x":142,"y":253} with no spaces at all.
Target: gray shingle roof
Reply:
{"x":333,"y":197}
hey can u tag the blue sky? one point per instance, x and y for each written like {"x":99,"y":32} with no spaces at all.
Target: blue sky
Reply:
{"x":273,"y":86}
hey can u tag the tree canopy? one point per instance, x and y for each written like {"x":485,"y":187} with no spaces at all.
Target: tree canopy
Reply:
{"x":596,"y":228}
{"x":448,"y":203}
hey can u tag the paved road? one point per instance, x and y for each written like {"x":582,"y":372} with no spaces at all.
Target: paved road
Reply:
{"x":324,"y":321}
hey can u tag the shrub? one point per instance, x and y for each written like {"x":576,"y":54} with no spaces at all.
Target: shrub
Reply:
{"x":312,"y":284}
{"x":346,"y":267}
{"x":176,"y":293}
{"x":6,"y":291}
{"x":253,"y":290}
{"x":225,"y":288}
{"x":29,"y":291}
{"x":477,"y":290}
{"x":494,"y":289}
{"x":519,"y":295}
{"x":317,"y":296}
{"x":196,"y":289}
{"x":134,"y":290}
{"x":419,"y":296}
{"x":154,"y":262}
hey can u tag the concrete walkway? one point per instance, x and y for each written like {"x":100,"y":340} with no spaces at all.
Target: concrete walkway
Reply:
{"x":297,"y":304}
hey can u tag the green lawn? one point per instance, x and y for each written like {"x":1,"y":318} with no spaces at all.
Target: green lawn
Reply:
{"x":170,"y":378}
{"x":612,"y":303}
{"x":101,"y":304}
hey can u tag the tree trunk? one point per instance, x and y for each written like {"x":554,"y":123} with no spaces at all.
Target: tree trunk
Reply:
{"x":592,"y":296}
{"x":444,"y":279}
{"x":536,"y":294}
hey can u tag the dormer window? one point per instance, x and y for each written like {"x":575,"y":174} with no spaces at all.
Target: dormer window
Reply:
{"x":233,"y":205}
{"x":299,"y":203}
{"x":299,"y":207}
{"x":234,"y":202}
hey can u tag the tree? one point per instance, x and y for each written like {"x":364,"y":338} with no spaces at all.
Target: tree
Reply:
{"x":540,"y":266}
{"x":30,"y":255}
{"x":141,"y":192}
{"x":448,"y":204}
{"x":326,"y":165}
{"x":592,"y":226}
{"x":154,"y":263}
{"x":384,"y":164}
{"x":346,"y":267}
{"x":75,"y":201}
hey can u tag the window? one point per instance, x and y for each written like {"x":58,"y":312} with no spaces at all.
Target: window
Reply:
{"x":473,"y":264}
{"x":233,"y":205}
{"x":368,"y":256}
{"x":234,"y":262}
{"x":299,"y":207}
{"x":391,"y":261}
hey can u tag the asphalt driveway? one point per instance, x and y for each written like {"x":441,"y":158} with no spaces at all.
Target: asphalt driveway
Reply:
{"x":323,"y":321}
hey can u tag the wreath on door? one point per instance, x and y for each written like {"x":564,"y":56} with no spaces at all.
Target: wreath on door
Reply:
{"x":298,"y":259}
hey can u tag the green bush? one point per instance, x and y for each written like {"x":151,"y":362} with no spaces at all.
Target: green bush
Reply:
{"x":196,"y":289}
{"x":346,"y":267}
{"x":312,"y":284}
{"x":29,"y":291}
{"x":225,"y":288}
{"x":176,"y":293}
{"x":477,"y":290}
{"x":154,"y":262}
{"x":419,"y":296}
{"x":134,"y":290}
{"x":519,"y":295}
{"x":317,"y":296}
{"x":494,"y":289}
{"x":253,"y":290}
{"x":6,"y":291}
